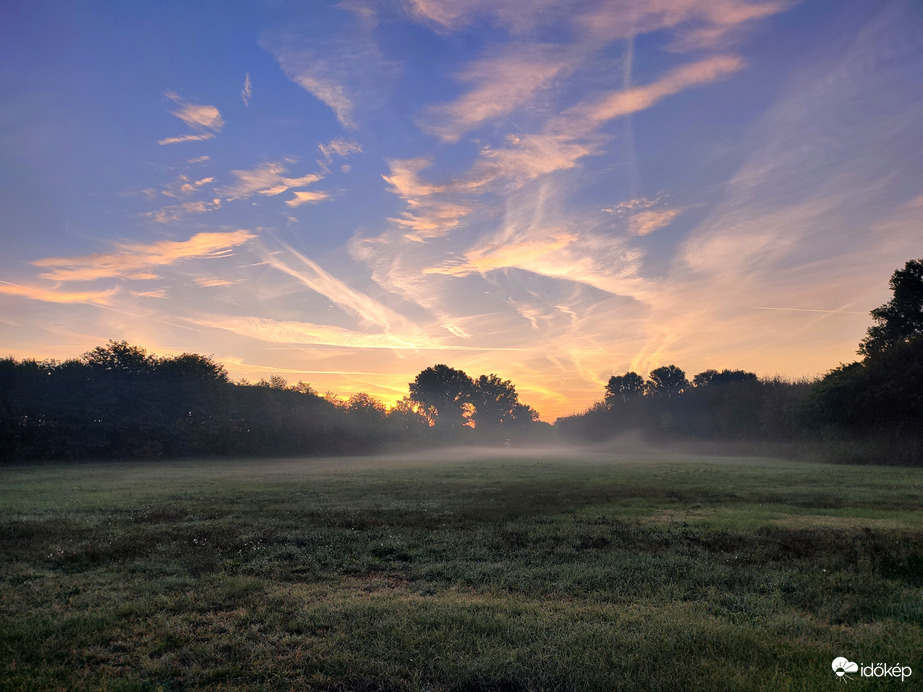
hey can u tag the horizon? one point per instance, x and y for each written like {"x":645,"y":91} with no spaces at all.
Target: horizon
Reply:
{"x":349,"y":193}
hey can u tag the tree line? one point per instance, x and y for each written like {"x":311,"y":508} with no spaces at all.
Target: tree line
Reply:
{"x":118,"y":402}
{"x":868,"y":410}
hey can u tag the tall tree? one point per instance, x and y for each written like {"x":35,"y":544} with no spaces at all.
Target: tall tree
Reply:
{"x":901,"y":318}
{"x":624,"y":388}
{"x":668,"y":380}
{"x":447,"y":391}
{"x":496,"y":404}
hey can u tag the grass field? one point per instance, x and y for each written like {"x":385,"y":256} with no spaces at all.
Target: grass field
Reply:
{"x":500,"y":572}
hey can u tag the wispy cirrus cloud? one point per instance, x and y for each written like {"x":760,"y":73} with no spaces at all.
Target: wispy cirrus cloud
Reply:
{"x":623,"y":102}
{"x":212,"y":282}
{"x":310,"y":274}
{"x":205,"y":120}
{"x":501,"y":84}
{"x":434,"y":210}
{"x":291,"y":332}
{"x":55,"y":295}
{"x":517,"y":16}
{"x":267,"y":179}
{"x":177,"y":212}
{"x":247,"y":91}
{"x":186,"y":138}
{"x":695,"y":25}
{"x":344,"y":68}
{"x":313,"y":73}
{"x":338,"y":147}
{"x":138,"y":260}
{"x":185,"y":186}
{"x":196,"y":116}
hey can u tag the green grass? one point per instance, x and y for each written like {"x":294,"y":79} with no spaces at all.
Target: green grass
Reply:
{"x":511,"y":572}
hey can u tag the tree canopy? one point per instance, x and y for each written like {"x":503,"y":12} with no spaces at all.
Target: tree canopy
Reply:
{"x":668,"y":381}
{"x":624,"y":388}
{"x":446,"y":390}
{"x":901,"y":318}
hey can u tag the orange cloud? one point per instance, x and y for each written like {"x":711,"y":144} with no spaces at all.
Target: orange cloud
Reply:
{"x":55,"y":296}
{"x":632,"y":100}
{"x":195,"y":115}
{"x":266,"y":179}
{"x":308,"y":333}
{"x":134,"y":260}
{"x":649,"y":221}
{"x":306,"y":197}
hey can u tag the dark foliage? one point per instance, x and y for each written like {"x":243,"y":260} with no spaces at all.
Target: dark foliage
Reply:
{"x":900,"y":319}
{"x":117,"y":401}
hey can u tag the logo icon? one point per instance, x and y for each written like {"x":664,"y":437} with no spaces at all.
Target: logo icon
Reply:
{"x":841,"y":666}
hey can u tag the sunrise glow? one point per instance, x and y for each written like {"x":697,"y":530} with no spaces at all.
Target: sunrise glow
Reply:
{"x":348,"y":192}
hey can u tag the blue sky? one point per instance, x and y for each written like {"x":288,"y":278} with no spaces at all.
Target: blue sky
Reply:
{"x":346,"y":193}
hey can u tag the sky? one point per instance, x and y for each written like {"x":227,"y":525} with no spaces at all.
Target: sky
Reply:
{"x":346,"y":193}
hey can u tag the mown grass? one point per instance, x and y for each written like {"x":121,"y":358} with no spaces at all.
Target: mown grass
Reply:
{"x":600,"y":572}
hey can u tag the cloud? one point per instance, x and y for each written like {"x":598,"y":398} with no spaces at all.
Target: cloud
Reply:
{"x":405,"y":181}
{"x":185,"y":186}
{"x":213,"y":282}
{"x":308,"y":197}
{"x":54,"y":295}
{"x":526,"y":158}
{"x":288,"y":332}
{"x":309,"y":72}
{"x":428,"y":216}
{"x":175,"y":212}
{"x":159,"y":293}
{"x":186,"y":138}
{"x":266,"y":179}
{"x":645,"y":222}
{"x":590,"y":114}
{"x":431,"y":220}
{"x":502,"y":83}
{"x":310,"y":274}
{"x":136,"y":260}
{"x":247,"y":91}
{"x":434,"y":210}
{"x":196,"y":116}
{"x":340,"y":147}
{"x":517,"y":16}
{"x":696,"y":25}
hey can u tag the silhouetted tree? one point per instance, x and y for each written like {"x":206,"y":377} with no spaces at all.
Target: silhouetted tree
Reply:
{"x":447,"y":391}
{"x":627,"y":387}
{"x":366,"y":406}
{"x":901,"y":318}
{"x":191,"y":367}
{"x":120,"y":357}
{"x":713,"y":377}
{"x":496,"y":403}
{"x":668,"y":380}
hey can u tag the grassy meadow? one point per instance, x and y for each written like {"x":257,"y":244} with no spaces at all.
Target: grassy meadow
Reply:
{"x":501,"y":571}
